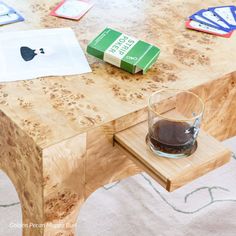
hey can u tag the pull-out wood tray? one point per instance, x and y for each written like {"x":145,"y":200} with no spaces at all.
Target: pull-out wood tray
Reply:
{"x":172,"y":173}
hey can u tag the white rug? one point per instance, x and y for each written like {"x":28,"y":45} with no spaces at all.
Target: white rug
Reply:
{"x":138,"y":206}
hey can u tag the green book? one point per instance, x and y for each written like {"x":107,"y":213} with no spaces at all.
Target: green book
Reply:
{"x":123,"y":51}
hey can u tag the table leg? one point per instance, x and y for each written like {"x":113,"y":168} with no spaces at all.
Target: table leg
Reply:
{"x":64,"y":184}
{"x":21,"y":160}
{"x":49,"y":182}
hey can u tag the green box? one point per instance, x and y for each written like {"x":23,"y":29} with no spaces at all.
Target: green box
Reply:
{"x":123,"y":51}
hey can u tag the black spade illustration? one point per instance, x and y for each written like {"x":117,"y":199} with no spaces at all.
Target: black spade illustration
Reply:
{"x":28,"y":54}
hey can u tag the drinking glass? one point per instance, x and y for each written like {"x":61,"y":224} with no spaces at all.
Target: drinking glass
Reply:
{"x":174,"y":119}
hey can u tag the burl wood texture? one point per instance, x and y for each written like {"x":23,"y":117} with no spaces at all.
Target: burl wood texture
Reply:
{"x":170,"y":173}
{"x":105,"y":163}
{"x":21,"y":160}
{"x":53,"y":109}
{"x":220,"y":106}
{"x":64,"y":181}
{"x":56,"y":132}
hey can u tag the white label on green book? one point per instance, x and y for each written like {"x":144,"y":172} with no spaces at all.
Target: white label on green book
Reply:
{"x":119,"y":49}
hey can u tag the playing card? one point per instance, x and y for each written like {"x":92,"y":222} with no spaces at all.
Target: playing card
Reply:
{"x":227,"y":14}
{"x":72,"y":9}
{"x":11,"y":17}
{"x":203,"y":20}
{"x":8,"y":15}
{"x":4,"y":9}
{"x":210,"y":16}
{"x":191,"y":24}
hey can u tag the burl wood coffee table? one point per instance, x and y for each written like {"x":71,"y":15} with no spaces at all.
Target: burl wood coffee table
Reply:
{"x":57,"y":134}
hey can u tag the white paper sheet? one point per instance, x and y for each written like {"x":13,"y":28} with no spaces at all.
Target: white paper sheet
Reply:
{"x":58,"y":53}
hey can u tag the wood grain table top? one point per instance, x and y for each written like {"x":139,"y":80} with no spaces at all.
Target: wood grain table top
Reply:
{"x":53,"y":109}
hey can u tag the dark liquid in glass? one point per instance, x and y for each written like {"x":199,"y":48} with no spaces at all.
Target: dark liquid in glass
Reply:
{"x":171,"y":137}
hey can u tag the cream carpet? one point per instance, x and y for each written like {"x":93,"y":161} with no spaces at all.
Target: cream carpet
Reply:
{"x":138,"y":206}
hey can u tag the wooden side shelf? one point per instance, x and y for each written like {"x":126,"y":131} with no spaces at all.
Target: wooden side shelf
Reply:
{"x":172,"y":173}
